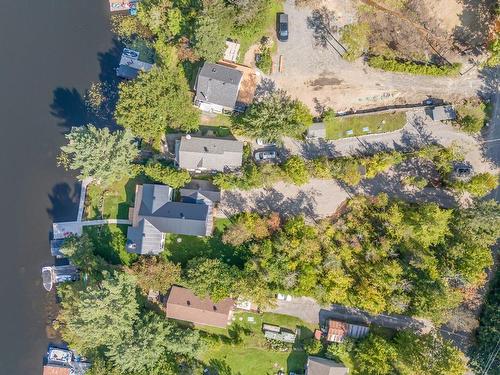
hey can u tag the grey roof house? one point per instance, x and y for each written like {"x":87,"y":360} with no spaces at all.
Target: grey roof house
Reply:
{"x":208,"y":154}
{"x":130,"y":65}
{"x":322,"y":366}
{"x":155,"y":214}
{"x":203,"y":187}
{"x":217,"y":88}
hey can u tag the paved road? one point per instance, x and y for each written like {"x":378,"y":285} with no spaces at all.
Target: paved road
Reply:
{"x":493,"y":136}
{"x":310,"y":311}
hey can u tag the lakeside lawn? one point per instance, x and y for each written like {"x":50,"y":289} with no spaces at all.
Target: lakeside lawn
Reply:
{"x":181,"y":248}
{"x":250,"y":354}
{"x":341,"y":127}
{"x":114,"y":202}
{"x":109,"y":242}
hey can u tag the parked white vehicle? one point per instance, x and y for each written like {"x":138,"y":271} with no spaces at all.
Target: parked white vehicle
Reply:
{"x":265,"y":155}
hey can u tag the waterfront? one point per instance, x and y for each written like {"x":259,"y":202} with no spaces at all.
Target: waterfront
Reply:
{"x":52,"y":50}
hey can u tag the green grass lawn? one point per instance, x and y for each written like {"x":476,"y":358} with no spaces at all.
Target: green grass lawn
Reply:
{"x":109,"y":242}
{"x":339,"y":127}
{"x":181,"y":248}
{"x":114,"y":202}
{"x":251,"y":355}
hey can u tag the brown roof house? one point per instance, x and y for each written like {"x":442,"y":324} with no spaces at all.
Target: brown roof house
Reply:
{"x":55,"y":370}
{"x":322,"y":366}
{"x":337,"y":331}
{"x":183,"y":304}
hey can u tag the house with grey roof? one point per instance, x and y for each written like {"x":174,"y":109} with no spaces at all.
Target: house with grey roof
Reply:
{"x":208,"y":154}
{"x":155,"y":214}
{"x":203,"y":187}
{"x":130,"y":65}
{"x":322,"y":366}
{"x":217,"y":88}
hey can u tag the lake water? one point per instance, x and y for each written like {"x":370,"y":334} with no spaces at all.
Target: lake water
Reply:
{"x":52,"y":50}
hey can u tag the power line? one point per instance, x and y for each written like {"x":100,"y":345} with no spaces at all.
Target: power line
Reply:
{"x":491,"y":357}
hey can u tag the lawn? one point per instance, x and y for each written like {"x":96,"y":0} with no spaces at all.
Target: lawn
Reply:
{"x":250,"y":355}
{"x":109,"y":242}
{"x":114,"y":202}
{"x":181,"y":248}
{"x":344,"y":127}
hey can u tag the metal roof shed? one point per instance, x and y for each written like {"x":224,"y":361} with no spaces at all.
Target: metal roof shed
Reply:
{"x":444,"y":113}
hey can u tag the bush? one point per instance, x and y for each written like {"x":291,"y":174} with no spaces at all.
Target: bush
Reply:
{"x":472,"y":116}
{"x":381,"y":162}
{"x":415,"y":181}
{"x":313,"y":346}
{"x":266,"y":61}
{"x":394,"y":65}
{"x":176,"y":178}
{"x":296,"y":170}
{"x":347,"y":169}
{"x":355,"y":38}
{"x":479,"y":185}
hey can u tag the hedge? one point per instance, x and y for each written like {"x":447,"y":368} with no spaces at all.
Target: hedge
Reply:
{"x":393,"y":65}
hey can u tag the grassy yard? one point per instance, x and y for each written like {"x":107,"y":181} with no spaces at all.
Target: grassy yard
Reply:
{"x":114,"y":202}
{"x":344,"y":127}
{"x":109,"y":241}
{"x":181,"y":248}
{"x":250,"y":355}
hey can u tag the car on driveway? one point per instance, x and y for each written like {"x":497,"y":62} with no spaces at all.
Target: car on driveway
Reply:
{"x":264,"y":142}
{"x":265,"y":155}
{"x":282,"y":27}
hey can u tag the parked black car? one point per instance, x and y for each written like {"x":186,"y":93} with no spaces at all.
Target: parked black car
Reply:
{"x":282,"y":27}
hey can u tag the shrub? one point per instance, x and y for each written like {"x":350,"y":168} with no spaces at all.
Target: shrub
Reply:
{"x":415,"y":181}
{"x":381,"y":162}
{"x":176,"y":178}
{"x":395,"y":65}
{"x":479,"y":185}
{"x":347,"y":170}
{"x":321,"y":168}
{"x":472,"y":116}
{"x":355,"y":39}
{"x":266,"y":61}
{"x":313,"y":346}
{"x":296,"y":169}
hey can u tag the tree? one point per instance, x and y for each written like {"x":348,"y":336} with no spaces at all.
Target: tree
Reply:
{"x":100,"y":155}
{"x":313,"y":346}
{"x":274,"y":116}
{"x":152,"y":346}
{"x":355,"y":38}
{"x":341,"y":352}
{"x":176,"y":178}
{"x":154,"y":101}
{"x":296,"y":169}
{"x":99,"y":316}
{"x":479,"y":185}
{"x":80,"y":250}
{"x":214,"y":25}
{"x":211,"y":278}
{"x":247,"y":226}
{"x":375,"y":356}
{"x":494,"y":49}
{"x":156,"y":273}
{"x":427,"y":354}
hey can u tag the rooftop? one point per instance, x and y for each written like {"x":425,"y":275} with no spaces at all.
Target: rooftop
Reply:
{"x":218,"y":84}
{"x":322,"y":366}
{"x":183,"y":304}
{"x":208,"y":153}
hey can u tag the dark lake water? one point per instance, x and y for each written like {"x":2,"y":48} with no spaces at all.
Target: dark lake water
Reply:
{"x":52,"y":50}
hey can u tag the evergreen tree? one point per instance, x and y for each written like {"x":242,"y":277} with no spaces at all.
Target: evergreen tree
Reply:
{"x":99,"y":154}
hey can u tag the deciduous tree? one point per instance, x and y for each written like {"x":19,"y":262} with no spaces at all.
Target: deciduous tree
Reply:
{"x":156,"y":273}
{"x":176,"y":178}
{"x":154,"y":101}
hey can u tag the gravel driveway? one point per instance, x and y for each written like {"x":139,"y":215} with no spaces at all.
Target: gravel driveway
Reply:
{"x":319,"y":76}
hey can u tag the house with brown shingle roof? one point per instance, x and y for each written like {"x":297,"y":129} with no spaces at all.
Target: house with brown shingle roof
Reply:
{"x":183,"y":304}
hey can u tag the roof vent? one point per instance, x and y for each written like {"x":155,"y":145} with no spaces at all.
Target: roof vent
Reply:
{"x":188,"y":136}
{"x":182,"y":215}
{"x":214,"y":70}
{"x":205,"y":148}
{"x":188,"y":303}
{"x":215,"y":308}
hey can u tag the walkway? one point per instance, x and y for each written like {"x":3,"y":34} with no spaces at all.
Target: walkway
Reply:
{"x":83,"y":194}
{"x":65,"y":229}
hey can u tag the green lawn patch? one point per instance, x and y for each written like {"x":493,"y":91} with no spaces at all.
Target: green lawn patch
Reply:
{"x":250,"y":354}
{"x":354,"y":126}
{"x":114,"y":202}
{"x":109,"y":242}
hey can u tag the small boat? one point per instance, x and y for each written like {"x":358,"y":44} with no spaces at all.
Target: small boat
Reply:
{"x":59,"y":356}
{"x":58,"y":274}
